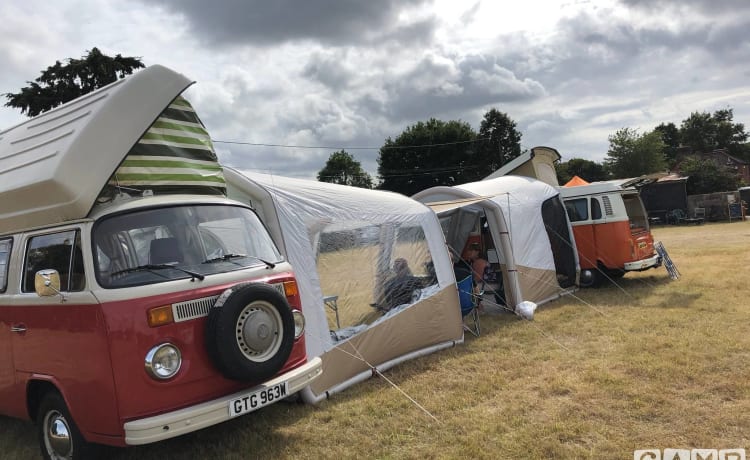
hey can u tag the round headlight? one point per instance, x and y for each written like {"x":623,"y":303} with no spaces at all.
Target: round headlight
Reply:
{"x":163,"y":361}
{"x":299,"y":323}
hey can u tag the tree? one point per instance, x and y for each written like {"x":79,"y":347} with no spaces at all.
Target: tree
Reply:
{"x":341,"y":168}
{"x":427,"y":154}
{"x":504,"y":141}
{"x":671,"y":137}
{"x":631,"y":154}
{"x":706,"y":176}
{"x":585,"y":169}
{"x":729,"y":135}
{"x":61,"y":83}
{"x":704,"y":132}
{"x":698,"y":132}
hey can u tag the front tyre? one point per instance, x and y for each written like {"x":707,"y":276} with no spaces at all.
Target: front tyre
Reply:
{"x":590,"y":277}
{"x":59,"y":437}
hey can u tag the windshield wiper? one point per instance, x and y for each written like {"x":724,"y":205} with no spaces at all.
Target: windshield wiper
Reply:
{"x":159,"y":267}
{"x":223,"y":258}
{"x":227,"y":257}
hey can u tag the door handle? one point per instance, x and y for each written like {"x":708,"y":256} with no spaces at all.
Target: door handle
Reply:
{"x":18,"y":328}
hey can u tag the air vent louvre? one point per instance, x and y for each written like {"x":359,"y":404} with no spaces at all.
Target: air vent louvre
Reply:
{"x":607,"y":206}
{"x":191,"y":309}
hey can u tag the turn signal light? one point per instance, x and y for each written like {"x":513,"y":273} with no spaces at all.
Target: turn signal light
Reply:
{"x":290,"y":288}
{"x":159,"y":316}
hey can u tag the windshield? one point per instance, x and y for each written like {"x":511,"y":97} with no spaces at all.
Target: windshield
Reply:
{"x":162,"y":244}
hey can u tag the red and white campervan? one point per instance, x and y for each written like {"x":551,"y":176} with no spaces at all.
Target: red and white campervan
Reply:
{"x":611,"y":229}
{"x":137,"y":302}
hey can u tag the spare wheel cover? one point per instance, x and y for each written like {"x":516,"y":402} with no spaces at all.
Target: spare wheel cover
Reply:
{"x":250,"y":332}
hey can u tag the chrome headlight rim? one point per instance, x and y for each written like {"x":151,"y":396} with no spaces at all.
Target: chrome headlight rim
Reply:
{"x":299,"y":323}
{"x":155,"y":369}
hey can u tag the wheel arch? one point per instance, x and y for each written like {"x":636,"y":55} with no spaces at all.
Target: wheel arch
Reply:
{"x":35,"y":390}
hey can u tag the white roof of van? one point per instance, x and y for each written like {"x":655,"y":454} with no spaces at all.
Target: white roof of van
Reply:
{"x":53,"y":166}
{"x":596,"y":187}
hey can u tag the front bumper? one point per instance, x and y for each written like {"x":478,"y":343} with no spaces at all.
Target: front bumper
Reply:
{"x":193,"y":418}
{"x":643,"y":264}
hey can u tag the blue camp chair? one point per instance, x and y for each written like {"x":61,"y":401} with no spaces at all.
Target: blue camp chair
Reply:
{"x":469,"y":305}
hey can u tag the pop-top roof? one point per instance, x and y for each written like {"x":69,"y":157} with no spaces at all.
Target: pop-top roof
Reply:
{"x":54,"y":166}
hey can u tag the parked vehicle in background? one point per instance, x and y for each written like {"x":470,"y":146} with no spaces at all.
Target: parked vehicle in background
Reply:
{"x":609,"y":221}
{"x":137,"y":302}
{"x":611,"y":230}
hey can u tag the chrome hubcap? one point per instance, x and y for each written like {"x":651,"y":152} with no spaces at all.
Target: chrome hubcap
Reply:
{"x":259,"y":331}
{"x":256,"y":331}
{"x":587,"y":277}
{"x":57,"y":435}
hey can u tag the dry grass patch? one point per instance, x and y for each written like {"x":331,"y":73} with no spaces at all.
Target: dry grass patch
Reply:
{"x":658,"y":363}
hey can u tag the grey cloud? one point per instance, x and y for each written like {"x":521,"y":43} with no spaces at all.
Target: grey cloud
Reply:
{"x":329,"y":70}
{"x":470,"y":13}
{"x":596,"y":53}
{"x":281,"y":161}
{"x":331,"y":22}
{"x":416,"y":34}
{"x":436,"y":89}
{"x":294,"y":161}
{"x":709,"y":7}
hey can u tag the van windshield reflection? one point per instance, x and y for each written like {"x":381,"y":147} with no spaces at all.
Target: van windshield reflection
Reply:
{"x":192,"y":241}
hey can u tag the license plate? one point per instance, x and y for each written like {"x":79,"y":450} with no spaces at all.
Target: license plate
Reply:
{"x":257,"y":399}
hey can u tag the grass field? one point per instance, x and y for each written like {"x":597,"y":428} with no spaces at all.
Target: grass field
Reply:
{"x":651,"y":363}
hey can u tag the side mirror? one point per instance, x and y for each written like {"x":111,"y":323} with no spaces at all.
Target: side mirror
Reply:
{"x":47,"y":283}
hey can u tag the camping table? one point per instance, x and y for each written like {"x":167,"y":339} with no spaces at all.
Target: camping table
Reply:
{"x":331,"y":301}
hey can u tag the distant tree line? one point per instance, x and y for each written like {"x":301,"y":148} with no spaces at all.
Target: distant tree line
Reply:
{"x":433,"y":152}
{"x":668,"y":147}
{"x":436,"y":152}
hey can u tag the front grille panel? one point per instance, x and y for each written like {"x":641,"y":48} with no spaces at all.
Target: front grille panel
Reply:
{"x":191,"y":309}
{"x":198,"y":308}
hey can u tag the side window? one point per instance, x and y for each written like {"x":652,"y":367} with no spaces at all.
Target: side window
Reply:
{"x":58,"y":251}
{"x":596,"y":209}
{"x":578,"y":209}
{"x":5,"y":246}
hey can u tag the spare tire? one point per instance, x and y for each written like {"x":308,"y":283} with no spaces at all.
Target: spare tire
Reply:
{"x":250,"y":332}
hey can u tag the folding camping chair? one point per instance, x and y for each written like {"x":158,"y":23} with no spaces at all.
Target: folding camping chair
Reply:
{"x":469,"y":304}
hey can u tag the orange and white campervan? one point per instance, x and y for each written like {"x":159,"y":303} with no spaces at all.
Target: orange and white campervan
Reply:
{"x":611,"y":230}
{"x":609,"y":221}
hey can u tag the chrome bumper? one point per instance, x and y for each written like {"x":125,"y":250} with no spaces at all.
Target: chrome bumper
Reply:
{"x":193,"y":418}
{"x":644,"y":264}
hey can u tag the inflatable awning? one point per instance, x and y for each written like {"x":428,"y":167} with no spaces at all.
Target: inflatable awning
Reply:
{"x":440,"y":207}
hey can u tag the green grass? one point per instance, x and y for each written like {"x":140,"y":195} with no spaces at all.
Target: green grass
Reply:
{"x":653,"y":364}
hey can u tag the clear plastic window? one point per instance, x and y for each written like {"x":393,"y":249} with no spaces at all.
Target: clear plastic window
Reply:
{"x":368,"y":271}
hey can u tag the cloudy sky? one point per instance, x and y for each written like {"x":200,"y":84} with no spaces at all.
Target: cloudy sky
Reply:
{"x":350,"y":73}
